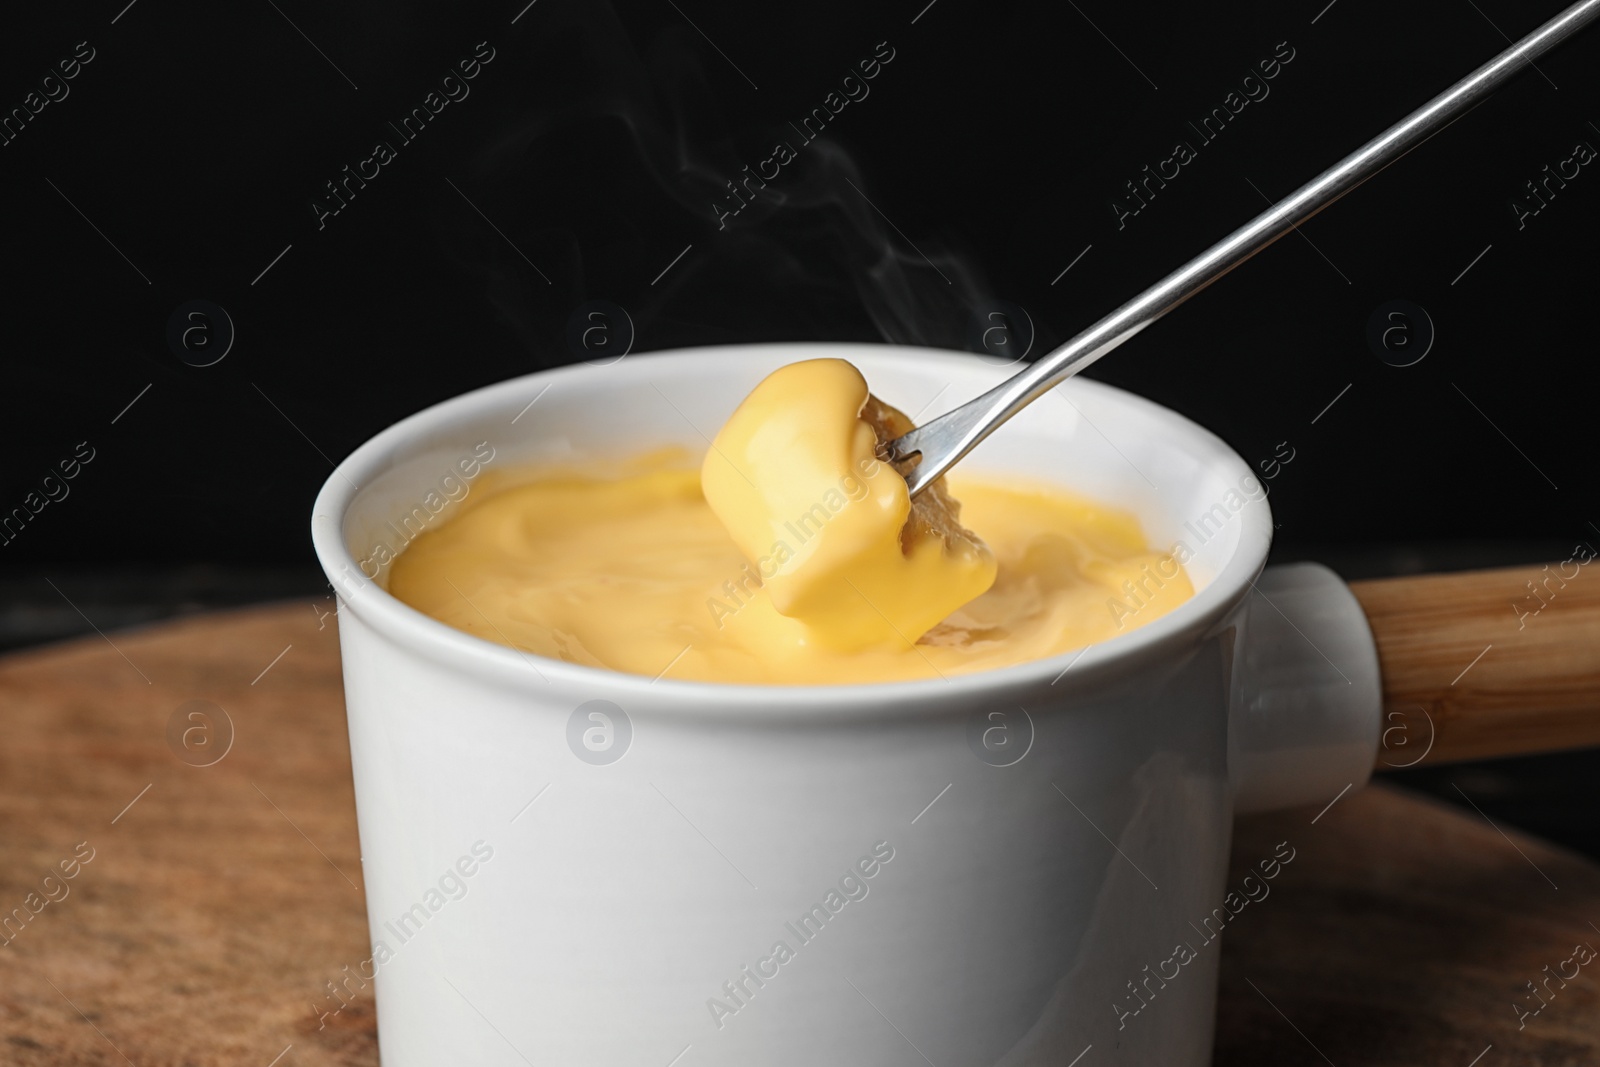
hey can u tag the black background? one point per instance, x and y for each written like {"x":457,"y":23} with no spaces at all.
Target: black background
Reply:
{"x":590,"y":153}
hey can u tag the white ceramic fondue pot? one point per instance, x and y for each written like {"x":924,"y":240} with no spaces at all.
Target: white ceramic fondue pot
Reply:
{"x":566,"y":865}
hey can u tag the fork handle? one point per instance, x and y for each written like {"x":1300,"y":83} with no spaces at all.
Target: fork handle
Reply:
{"x":943,"y":441}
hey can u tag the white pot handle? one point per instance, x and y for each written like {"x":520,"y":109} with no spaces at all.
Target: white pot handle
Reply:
{"x":1307,"y":695}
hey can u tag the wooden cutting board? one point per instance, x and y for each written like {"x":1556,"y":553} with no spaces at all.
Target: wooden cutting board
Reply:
{"x":219,"y":900}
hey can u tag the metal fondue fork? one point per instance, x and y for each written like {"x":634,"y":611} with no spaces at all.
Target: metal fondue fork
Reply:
{"x":937,"y":445}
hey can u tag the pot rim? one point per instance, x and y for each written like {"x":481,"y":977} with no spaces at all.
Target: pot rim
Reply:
{"x":1082,"y":669}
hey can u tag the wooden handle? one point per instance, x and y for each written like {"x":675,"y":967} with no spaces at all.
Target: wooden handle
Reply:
{"x":1487,"y":663}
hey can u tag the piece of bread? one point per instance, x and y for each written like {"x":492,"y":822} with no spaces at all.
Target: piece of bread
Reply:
{"x":934,"y":510}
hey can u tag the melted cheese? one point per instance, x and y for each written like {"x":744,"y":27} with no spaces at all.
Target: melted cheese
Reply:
{"x":795,"y":479}
{"x":798,"y":571}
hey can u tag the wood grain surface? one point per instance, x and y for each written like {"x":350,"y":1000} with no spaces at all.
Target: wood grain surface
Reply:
{"x":1488,"y":663}
{"x":217,"y":905}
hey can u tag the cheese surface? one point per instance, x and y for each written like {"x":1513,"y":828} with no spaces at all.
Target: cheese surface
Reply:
{"x":624,"y":566}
